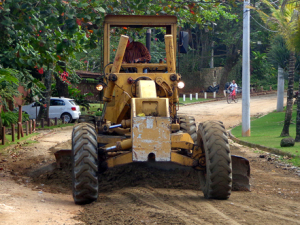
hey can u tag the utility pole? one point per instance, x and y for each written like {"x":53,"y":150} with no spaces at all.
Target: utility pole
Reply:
{"x":246,"y":71}
{"x":280,"y":90}
{"x":148,"y":39}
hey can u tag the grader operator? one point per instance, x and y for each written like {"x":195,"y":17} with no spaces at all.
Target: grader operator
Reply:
{"x":140,"y":123}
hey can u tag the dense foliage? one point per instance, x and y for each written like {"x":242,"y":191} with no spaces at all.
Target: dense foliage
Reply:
{"x":44,"y":39}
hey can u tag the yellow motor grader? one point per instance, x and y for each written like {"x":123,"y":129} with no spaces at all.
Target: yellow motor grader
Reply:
{"x":140,"y":123}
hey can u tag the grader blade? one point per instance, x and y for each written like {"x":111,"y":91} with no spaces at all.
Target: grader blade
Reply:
{"x":240,"y":173}
{"x":63,"y":157}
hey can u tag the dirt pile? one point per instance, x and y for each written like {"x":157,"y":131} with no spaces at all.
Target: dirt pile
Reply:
{"x":132,"y":175}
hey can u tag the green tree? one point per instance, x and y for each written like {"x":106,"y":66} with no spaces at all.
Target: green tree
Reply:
{"x":283,"y":20}
{"x":44,"y":36}
{"x":8,"y":89}
{"x":41,"y":34}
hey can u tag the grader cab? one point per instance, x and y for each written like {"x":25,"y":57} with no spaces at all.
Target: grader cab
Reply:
{"x":140,"y":123}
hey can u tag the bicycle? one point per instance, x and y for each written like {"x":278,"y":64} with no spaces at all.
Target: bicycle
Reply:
{"x":232,"y":97}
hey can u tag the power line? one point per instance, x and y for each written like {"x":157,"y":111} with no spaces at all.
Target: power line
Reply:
{"x":263,"y":26}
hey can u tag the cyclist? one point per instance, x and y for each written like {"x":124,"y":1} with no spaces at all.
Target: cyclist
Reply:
{"x":233,"y":89}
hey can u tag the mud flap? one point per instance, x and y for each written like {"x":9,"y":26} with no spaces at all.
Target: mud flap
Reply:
{"x":240,"y":173}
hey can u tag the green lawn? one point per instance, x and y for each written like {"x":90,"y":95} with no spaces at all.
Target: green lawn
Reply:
{"x":95,"y":106}
{"x":92,"y":110}
{"x":266,"y":131}
{"x":187,"y":100}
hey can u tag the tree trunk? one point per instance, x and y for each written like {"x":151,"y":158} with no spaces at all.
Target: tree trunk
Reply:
{"x":61,"y":87}
{"x":41,"y":113}
{"x":297,"y":139}
{"x":47,"y":96}
{"x":280,"y":90}
{"x":230,"y":63}
{"x":289,"y":106}
{"x":1,"y":125}
{"x":48,"y":90}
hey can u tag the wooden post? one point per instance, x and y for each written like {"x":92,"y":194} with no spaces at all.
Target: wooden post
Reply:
{"x":30,"y":126}
{"x":13,"y":133}
{"x":19,"y":132}
{"x":3,"y":135}
{"x":34,"y":124}
{"x":42,"y":123}
{"x":27,"y":128}
{"x":22,"y":131}
{"x":48,"y":122}
{"x":20,"y":122}
{"x":20,"y":113}
{"x":55,"y":121}
{"x":63,"y":119}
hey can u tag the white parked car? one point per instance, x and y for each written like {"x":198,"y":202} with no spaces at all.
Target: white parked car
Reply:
{"x":59,"y":107}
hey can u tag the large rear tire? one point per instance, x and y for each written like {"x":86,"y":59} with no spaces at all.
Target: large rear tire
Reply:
{"x":188,"y":125}
{"x":216,"y":180}
{"x":84,"y":164}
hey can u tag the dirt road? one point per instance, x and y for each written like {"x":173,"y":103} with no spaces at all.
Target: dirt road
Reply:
{"x":32,"y":193}
{"x":230,"y":114}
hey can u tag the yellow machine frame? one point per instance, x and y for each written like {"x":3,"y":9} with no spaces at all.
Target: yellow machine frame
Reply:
{"x":120,"y":95}
{"x":139,"y":123}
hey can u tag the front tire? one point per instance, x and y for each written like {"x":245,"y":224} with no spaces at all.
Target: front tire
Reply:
{"x":216,"y":180}
{"x":84,"y":164}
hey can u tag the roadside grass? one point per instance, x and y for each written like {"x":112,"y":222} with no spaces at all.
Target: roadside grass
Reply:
{"x":266,"y":131}
{"x":93,"y":110}
{"x":187,"y":100}
{"x":51,"y":127}
{"x":22,"y":139}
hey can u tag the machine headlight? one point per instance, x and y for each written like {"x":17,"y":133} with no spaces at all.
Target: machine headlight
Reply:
{"x":99,"y":87}
{"x":180,"y":84}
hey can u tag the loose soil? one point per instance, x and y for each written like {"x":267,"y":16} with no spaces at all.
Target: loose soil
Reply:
{"x":34,"y":191}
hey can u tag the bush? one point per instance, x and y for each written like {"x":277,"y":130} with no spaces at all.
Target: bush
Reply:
{"x":98,"y":113}
{"x":9,"y":118}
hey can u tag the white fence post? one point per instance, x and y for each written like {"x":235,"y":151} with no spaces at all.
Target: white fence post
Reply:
{"x":196,"y":96}
{"x":205,"y":95}
{"x":224,"y":93}
{"x":214,"y":94}
{"x":183,"y":97}
{"x":191,"y":96}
